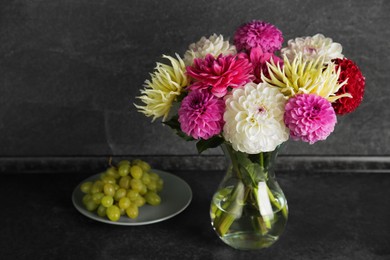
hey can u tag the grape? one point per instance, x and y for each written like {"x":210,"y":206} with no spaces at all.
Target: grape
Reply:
{"x":120,"y":194}
{"x":136,"y":172}
{"x":152,"y":198}
{"x":122,"y":189}
{"x":97,"y":197}
{"x":109,"y":189}
{"x":112,"y":172}
{"x":91,"y":205}
{"x":140,"y":201}
{"x":86,"y":186}
{"x":132,"y":194}
{"x":136,"y":184}
{"x":132,"y":211}
{"x":107,"y":201}
{"x":145,"y":178}
{"x":113,"y":213}
{"x":124,"y":169}
{"x":124,"y":182}
{"x":108,"y":179}
{"x":101,"y":211}
{"x":124,"y":203}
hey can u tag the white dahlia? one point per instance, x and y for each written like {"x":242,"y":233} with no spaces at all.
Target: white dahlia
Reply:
{"x":313,"y":47}
{"x":214,"y":45}
{"x":254,"y":118}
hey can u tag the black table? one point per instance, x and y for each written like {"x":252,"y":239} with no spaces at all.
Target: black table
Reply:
{"x":332,"y":216}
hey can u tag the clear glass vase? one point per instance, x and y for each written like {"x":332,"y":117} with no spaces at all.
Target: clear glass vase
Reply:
{"x":249,"y":210}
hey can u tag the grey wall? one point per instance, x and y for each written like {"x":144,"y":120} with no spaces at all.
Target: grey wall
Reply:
{"x":69,"y":70}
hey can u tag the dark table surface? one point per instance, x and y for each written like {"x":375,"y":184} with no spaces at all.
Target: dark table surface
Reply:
{"x":332,"y":216}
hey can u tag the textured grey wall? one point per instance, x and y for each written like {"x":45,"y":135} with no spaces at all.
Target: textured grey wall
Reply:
{"x":69,"y":70}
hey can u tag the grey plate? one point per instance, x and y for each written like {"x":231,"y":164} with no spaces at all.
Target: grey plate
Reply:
{"x":175,"y":197}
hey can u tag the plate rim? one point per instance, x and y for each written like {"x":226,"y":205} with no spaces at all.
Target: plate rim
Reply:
{"x":94,"y":216}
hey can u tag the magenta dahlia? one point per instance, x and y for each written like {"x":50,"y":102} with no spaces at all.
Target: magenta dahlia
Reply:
{"x":259,"y":61}
{"x":201,"y":114}
{"x":355,"y":86}
{"x":309,"y":117}
{"x":258,"y":34}
{"x":219,"y":74}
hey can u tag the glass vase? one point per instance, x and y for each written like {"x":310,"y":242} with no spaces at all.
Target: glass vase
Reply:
{"x":249,"y":210}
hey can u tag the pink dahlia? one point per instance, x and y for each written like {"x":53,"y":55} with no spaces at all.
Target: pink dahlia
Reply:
{"x":258,"y":34}
{"x":219,"y":74}
{"x":201,"y":114}
{"x":309,"y":117}
{"x":259,"y":60}
{"x":355,"y":86}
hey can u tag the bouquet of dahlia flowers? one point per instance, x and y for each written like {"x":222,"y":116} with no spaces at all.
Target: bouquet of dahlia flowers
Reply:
{"x":254,"y":94}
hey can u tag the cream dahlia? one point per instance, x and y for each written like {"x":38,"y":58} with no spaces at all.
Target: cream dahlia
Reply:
{"x":165,"y":86}
{"x":304,"y":77}
{"x":312,"y":48}
{"x":254,"y":118}
{"x":214,"y":45}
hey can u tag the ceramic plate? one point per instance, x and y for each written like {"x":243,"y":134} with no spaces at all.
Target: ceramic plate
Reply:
{"x":175,"y":197}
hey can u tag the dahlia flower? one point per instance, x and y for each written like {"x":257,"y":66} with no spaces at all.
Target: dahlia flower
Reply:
{"x":312,"y":48}
{"x":219,"y":74}
{"x":309,"y":117}
{"x":304,"y":76}
{"x":354,"y":86}
{"x":259,"y":61}
{"x":165,"y":86}
{"x":254,"y":118}
{"x":214,"y":45}
{"x":201,"y":114}
{"x":258,"y":34}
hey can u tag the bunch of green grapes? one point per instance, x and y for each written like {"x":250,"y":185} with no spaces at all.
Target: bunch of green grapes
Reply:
{"x":122,"y":189}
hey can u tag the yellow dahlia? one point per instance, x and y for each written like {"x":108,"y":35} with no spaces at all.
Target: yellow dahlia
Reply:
{"x":166,"y":84}
{"x":303,"y":76}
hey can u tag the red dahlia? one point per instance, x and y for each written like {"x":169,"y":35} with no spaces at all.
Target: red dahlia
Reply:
{"x":355,"y":86}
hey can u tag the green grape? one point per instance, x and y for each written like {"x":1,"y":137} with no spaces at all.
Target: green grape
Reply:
{"x":112,"y":171}
{"x":97,"y":197}
{"x":124,"y":203}
{"x":116,"y":186}
{"x":136,"y":184}
{"x":145,"y":166}
{"x":152,"y":186}
{"x":113,"y":213}
{"x":101,"y":211}
{"x":143,"y":190}
{"x":91,"y":205}
{"x":86,"y":198}
{"x":122,"y":211}
{"x":86,"y":187}
{"x":136,"y":172}
{"x":132,"y":194}
{"x":97,"y":186}
{"x":124,"y":182}
{"x":154,"y":176}
{"x":107,"y":201}
{"x":109,"y":189}
{"x":152,"y":198}
{"x":120,"y":193}
{"x":140,"y":201}
{"x":124,"y":169}
{"x":126,"y":162}
{"x":108,"y":179}
{"x":132,"y":211}
{"x":160,"y":184}
{"x":145,"y":178}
